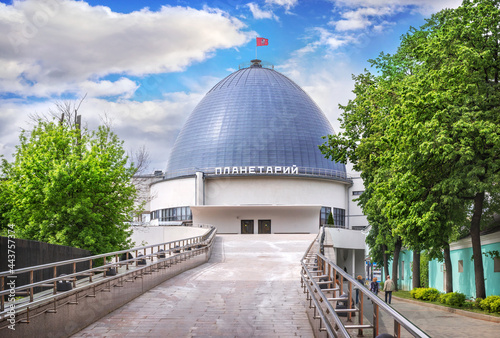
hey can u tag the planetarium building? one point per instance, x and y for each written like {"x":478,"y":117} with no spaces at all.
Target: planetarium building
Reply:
{"x":247,"y":161}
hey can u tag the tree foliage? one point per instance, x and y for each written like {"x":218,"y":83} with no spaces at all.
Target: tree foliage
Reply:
{"x":71,"y":187}
{"x":425,"y":133}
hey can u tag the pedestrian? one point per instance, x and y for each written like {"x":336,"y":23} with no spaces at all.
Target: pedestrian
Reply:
{"x":388,"y":288}
{"x":374,"y":286}
{"x":362,"y":282}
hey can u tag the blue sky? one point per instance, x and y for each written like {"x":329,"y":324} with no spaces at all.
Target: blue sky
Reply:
{"x":145,"y":65}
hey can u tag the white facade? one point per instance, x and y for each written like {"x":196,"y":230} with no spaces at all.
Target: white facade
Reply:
{"x":289,"y":203}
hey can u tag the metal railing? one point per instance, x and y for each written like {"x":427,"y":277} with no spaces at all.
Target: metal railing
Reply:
{"x":301,"y":171}
{"x":326,"y":285}
{"x":116,"y":264}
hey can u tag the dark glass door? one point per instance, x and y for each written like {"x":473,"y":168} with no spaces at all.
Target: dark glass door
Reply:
{"x":247,"y":226}
{"x":264,"y":226}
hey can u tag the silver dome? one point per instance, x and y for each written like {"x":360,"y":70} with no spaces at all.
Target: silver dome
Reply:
{"x":254,"y":117}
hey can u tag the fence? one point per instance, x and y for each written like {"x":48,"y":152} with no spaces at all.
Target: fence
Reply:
{"x":113,"y":276}
{"x":330,"y":294}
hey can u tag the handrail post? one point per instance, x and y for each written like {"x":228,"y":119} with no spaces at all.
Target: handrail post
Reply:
{"x":1,"y":289}
{"x":55,"y":283}
{"x":91,"y":273}
{"x":375,"y":320}
{"x":74,"y":278}
{"x":349,"y":302}
{"x":397,"y":329}
{"x":31,"y":289}
{"x":361,"y":313}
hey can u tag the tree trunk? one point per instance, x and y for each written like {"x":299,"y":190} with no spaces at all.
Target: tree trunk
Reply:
{"x":416,"y":270}
{"x":475,"y":230}
{"x":449,"y":270}
{"x":395,"y":262}
{"x":386,"y":262}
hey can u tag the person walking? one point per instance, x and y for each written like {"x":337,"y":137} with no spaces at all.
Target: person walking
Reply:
{"x":374,"y":286}
{"x":362,"y":282}
{"x":388,"y":288}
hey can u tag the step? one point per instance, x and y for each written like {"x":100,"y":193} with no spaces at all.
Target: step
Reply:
{"x":359,"y":326}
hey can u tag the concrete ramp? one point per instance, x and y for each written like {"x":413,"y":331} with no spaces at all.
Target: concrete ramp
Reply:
{"x":249,"y":287}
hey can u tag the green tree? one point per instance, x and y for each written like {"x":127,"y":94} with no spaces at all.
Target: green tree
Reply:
{"x":427,"y":131}
{"x":71,"y":187}
{"x":330,"y":219}
{"x":453,"y":102}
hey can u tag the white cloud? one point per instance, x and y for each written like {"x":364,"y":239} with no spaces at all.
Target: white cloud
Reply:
{"x":284,"y":3}
{"x":154,"y":124}
{"x":364,"y":14}
{"x":327,"y":81}
{"x":124,"y":88}
{"x":323,"y":38}
{"x":360,"y":18}
{"x":425,"y":7}
{"x":57,"y":42}
{"x":261,"y":14}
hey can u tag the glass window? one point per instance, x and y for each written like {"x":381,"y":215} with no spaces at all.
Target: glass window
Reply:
{"x":325,"y":212}
{"x":339,"y":217}
{"x":497,"y":264}
{"x":173,"y":214}
{"x":460,"y":266}
{"x":357,"y":193}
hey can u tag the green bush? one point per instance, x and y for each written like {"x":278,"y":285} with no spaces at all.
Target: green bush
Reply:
{"x":486,"y":304}
{"x":495,"y":306}
{"x":477,"y":303}
{"x":452,"y":298}
{"x":430,"y":294}
{"x":444,"y":298}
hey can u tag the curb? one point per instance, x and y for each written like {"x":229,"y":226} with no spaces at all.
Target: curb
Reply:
{"x":452,"y":310}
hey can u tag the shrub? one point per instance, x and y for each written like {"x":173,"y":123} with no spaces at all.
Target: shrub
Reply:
{"x":430,"y":294}
{"x":413,"y":292}
{"x":495,"y":306}
{"x":444,"y":298}
{"x":486,"y":304}
{"x":455,"y":299}
{"x":477,"y":303}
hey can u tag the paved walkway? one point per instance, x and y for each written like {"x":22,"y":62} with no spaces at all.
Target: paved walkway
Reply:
{"x":250,"y":287}
{"x":440,"y":323}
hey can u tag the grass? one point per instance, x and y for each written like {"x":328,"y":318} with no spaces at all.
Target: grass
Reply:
{"x":407,"y":295}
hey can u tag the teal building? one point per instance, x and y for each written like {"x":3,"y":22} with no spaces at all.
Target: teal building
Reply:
{"x":462,"y":265}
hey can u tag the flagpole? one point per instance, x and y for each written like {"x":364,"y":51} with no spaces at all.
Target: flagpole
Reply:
{"x":256,"y":48}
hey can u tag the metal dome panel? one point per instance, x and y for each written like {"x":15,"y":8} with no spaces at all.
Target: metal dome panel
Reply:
{"x":255,"y":116}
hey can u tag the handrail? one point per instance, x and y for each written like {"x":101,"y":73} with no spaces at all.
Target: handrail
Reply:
{"x":84,"y":259}
{"x":184,"y":247}
{"x":317,"y":296}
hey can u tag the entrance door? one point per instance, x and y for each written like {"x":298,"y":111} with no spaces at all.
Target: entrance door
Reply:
{"x":247,"y":226}
{"x":264,"y":226}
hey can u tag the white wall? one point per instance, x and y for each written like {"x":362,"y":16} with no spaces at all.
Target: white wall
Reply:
{"x":284,"y":219}
{"x":356,"y":216}
{"x":147,"y":235}
{"x":173,"y":193}
{"x":274,"y":190}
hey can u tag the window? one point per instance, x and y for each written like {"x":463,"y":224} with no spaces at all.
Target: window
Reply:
{"x":172,"y":214}
{"x":357,"y":193}
{"x":339,"y":217}
{"x":460,"y":266}
{"x":325,"y":212}
{"x":497,"y":264}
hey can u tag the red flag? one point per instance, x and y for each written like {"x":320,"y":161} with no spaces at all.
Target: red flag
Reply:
{"x":262,"y":42}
